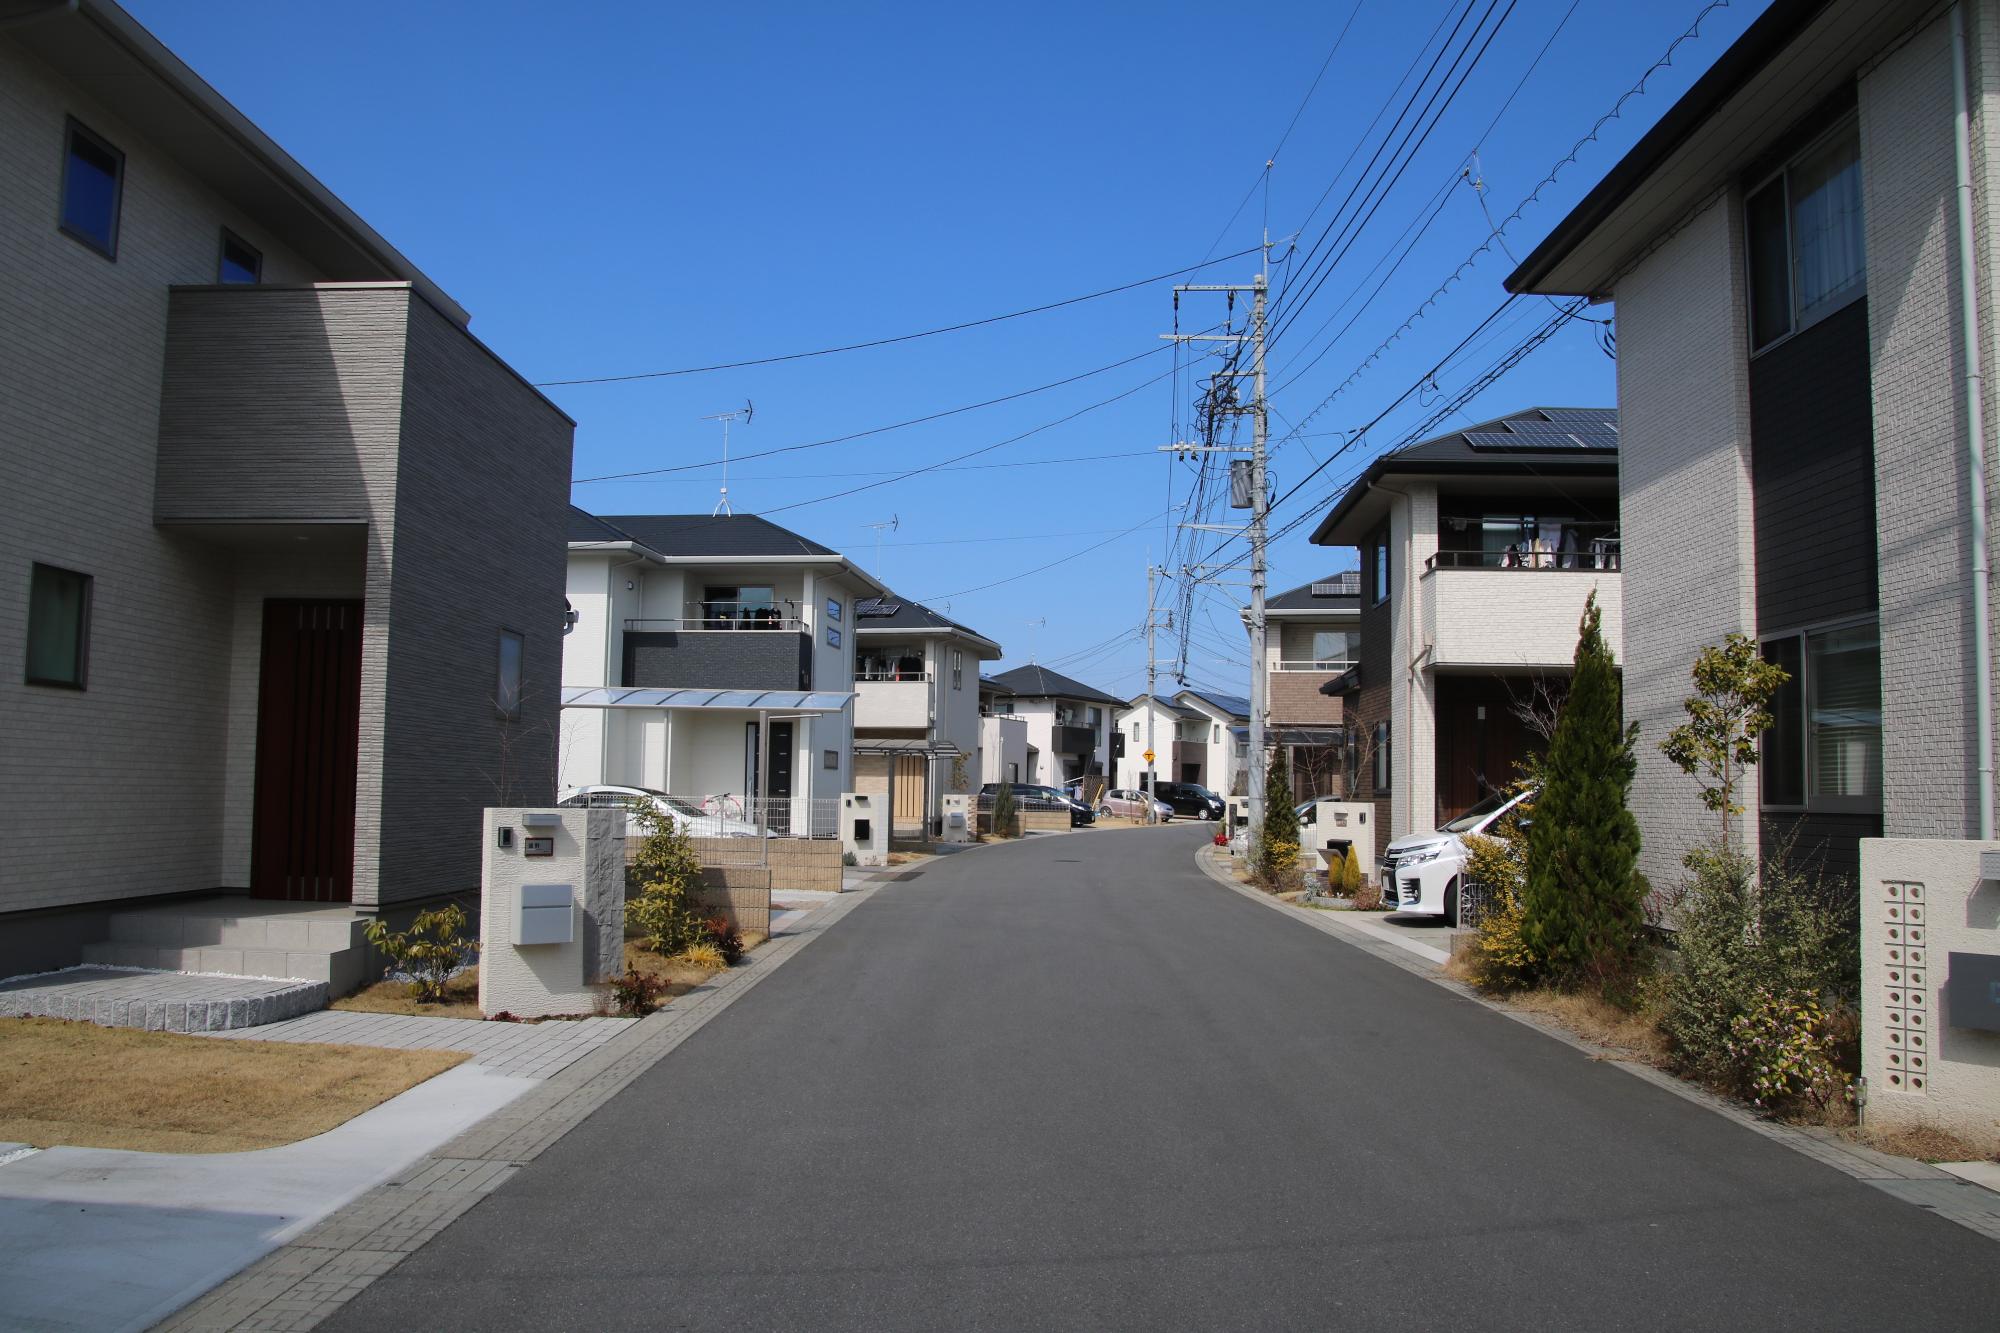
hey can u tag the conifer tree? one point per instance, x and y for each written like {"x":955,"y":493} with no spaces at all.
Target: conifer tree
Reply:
{"x":1584,"y":905}
{"x":1278,"y":839}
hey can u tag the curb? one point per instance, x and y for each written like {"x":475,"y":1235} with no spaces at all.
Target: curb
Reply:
{"x":308,"y":1278}
{"x":1969,"y":1205}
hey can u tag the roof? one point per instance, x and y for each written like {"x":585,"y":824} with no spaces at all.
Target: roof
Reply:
{"x":900,"y":615}
{"x":1235,"y":705}
{"x":122,"y":67}
{"x":1789,"y":62}
{"x":1335,"y":592}
{"x":1534,"y":442}
{"x":587,"y":527}
{"x":1170,"y":705}
{"x":1038,"y":682}
{"x":776,"y":701}
{"x":721,"y":536}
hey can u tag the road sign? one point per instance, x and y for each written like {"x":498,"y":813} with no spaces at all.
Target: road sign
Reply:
{"x":1148,"y":756}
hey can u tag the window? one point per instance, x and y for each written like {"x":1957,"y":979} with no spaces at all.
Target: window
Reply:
{"x":740,"y":608}
{"x":1094,"y":718}
{"x":1382,"y":759}
{"x":1804,"y":242}
{"x":1823,"y":750}
{"x":240,"y":261}
{"x":1003,"y":708}
{"x":507,"y":697}
{"x":957,"y":669}
{"x":58,"y":626}
{"x":829,"y":759}
{"x":1381,"y":569}
{"x":92,"y":184}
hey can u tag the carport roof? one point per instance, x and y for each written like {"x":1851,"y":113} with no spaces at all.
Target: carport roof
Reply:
{"x":774,"y":701}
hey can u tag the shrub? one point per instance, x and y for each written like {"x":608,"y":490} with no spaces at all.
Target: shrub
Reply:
{"x":1501,"y":959}
{"x":724,"y":937}
{"x":430,"y":952}
{"x":666,"y":911}
{"x":636,"y":993}
{"x":1728,"y":711}
{"x":1350,"y":873}
{"x":1783,"y":1054}
{"x":1275,"y":861}
{"x":1742,"y":941}
{"x":704,"y":955}
{"x":849,"y":859}
{"x":1368,"y":897}
{"x":1003,"y":809}
{"x":1583,"y":905}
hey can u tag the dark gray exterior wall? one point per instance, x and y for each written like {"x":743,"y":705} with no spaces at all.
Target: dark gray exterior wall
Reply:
{"x":718,"y":659}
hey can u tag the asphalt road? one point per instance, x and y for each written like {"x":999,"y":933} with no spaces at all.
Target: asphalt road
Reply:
{"x":1072,"y":1083}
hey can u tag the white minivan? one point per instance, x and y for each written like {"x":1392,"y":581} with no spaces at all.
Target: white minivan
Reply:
{"x":1421,"y":872}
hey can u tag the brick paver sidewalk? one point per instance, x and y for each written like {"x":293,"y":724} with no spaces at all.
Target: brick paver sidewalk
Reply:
{"x":529,"y":1050}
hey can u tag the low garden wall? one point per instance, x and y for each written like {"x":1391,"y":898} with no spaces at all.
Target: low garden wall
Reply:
{"x":741,"y":893}
{"x":794,"y":863}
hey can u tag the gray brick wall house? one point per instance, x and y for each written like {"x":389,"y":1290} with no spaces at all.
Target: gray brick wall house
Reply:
{"x":1782,"y":249}
{"x":203,"y":450}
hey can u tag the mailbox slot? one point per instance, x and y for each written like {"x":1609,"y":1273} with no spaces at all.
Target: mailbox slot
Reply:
{"x":545,"y":914}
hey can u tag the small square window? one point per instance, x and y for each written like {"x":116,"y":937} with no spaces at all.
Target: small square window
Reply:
{"x":507,"y":697}
{"x":93,"y":182}
{"x":240,"y":261}
{"x":58,"y":627}
{"x":829,"y":759}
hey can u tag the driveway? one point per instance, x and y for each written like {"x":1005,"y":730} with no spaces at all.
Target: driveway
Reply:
{"x":1072,"y":1083}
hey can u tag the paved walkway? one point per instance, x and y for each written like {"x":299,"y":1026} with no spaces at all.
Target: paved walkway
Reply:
{"x":527,"y":1050}
{"x":160,"y":1001}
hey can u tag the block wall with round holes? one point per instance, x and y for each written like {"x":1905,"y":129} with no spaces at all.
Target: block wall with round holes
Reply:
{"x":1923,"y":900}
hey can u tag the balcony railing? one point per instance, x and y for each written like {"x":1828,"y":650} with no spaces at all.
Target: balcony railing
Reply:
{"x":1599,"y":553}
{"x":721,"y":616}
{"x":890,"y":673}
{"x":1329,"y":666}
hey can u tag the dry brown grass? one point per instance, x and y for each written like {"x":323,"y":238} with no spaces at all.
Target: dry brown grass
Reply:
{"x":1635,"y":1035}
{"x":461,"y":999}
{"x":1926,"y":1143}
{"x":678,"y":977}
{"x":93,"y":1087}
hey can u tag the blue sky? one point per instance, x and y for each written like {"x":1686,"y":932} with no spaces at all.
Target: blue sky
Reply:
{"x":618,"y":189}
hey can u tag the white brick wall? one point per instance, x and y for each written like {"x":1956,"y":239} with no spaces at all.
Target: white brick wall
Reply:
{"x":1918,"y":360}
{"x":1684,"y":482}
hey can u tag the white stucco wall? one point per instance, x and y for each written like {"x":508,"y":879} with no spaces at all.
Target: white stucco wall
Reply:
{"x":1505,"y":618}
{"x":1003,"y":741}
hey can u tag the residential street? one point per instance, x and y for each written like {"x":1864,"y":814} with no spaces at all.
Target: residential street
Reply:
{"x":1071,"y":1082}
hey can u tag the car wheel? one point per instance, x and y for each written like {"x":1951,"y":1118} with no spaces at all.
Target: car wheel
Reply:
{"x":1451,"y":903}
{"x":1104,"y":812}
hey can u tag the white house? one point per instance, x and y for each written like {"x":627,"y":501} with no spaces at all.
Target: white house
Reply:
{"x":916,"y":718}
{"x":711,"y":657}
{"x":1214,"y":756}
{"x":1068,"y":723}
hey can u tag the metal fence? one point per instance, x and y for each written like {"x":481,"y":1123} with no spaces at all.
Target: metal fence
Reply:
{"x":1476,"y":902}
{"x":728,"y":815}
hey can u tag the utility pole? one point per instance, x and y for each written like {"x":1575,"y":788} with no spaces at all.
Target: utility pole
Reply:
{"x":1152,"y":783}
{"x":1257,"y":501}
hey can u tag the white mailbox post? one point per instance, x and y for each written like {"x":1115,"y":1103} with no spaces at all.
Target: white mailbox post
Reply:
{"x":864,"y":829}
{"x":958,"y":819}
{"x":552,"y":910}
{"x":1236,"y":823}
{"x":1338,"y":825}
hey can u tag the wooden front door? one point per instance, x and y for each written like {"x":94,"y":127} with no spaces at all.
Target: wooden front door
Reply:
{"x":1480,"y":742}
{"x":909,"y":791}
{"x":308,"y":743}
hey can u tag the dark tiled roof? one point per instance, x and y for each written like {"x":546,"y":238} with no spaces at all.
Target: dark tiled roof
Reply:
{"x":588,"y":527}
{"x":1233,"y":704}
{"x":723,"y":535}
{"x":1038,"y":682}
{"x":1345,"y":595}
{"x":907,"y":617}
{"x":1171,"y":705}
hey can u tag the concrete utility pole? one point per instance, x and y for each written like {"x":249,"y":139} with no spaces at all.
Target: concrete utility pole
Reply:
{"x":1152,"y":782}
{"x":1257,"y":502}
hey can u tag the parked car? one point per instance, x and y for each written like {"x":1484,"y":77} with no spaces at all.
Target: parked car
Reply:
{"x":1421,"y":872}
{"x":1129,"y":804}
{"x":693,"y":820}
{"x":1041,"y":798}
{"x":1191,"y":799}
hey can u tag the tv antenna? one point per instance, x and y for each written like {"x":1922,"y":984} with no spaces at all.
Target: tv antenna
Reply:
{"x":892,"y":524}
{"x":1039,"y":622}
{"x":746,"y":411}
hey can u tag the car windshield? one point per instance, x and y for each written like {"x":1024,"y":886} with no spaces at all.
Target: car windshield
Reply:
{"x":1470,"y":819}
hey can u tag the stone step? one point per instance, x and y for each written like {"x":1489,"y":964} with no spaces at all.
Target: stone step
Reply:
{"x":321,"y":930}
{"x":302,"y":964}
{"x":162,"y":1002}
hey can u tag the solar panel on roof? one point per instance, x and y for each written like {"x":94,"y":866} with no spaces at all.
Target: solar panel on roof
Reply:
{"x":1604,"y":416}
{"x":1493,"y":441}
{"x":876,"y":609}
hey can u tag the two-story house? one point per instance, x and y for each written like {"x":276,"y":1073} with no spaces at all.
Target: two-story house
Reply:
{"x":1478,"y":551}
{"x":916,"y":708}
{"x":1069,"y":723}
{"x":280,"y":540}
{"x":711,"y":657}
{"x":1311,"y":638}
{"x":1802,"y":255}
{"x":1003,"y":738}
{"x":1191,"y":735}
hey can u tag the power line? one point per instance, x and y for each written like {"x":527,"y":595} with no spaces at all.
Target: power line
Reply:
{"x":890,"y":472}
{"x":900,"y":338}
{"x":1062,"y":560}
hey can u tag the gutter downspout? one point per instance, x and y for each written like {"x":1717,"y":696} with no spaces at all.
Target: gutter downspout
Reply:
{"x":1975,"y":423}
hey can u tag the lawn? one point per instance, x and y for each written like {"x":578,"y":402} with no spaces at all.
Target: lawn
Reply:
{"x":93,"y":1087}
{"x":461,"y":998}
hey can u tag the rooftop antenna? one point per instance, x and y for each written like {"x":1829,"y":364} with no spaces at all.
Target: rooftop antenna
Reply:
{"x":892,"y":524}
{"x":1037,"y":623}
{"x":746,"y":411}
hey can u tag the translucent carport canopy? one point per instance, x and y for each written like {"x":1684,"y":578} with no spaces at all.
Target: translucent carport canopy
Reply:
{"x":768,"y":701}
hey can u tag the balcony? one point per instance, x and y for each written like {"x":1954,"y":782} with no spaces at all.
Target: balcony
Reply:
{"x":672,"y":654}
{"x":1481,"y":612}
{"x":889,"y":701}
{"x":1073,"y":740}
